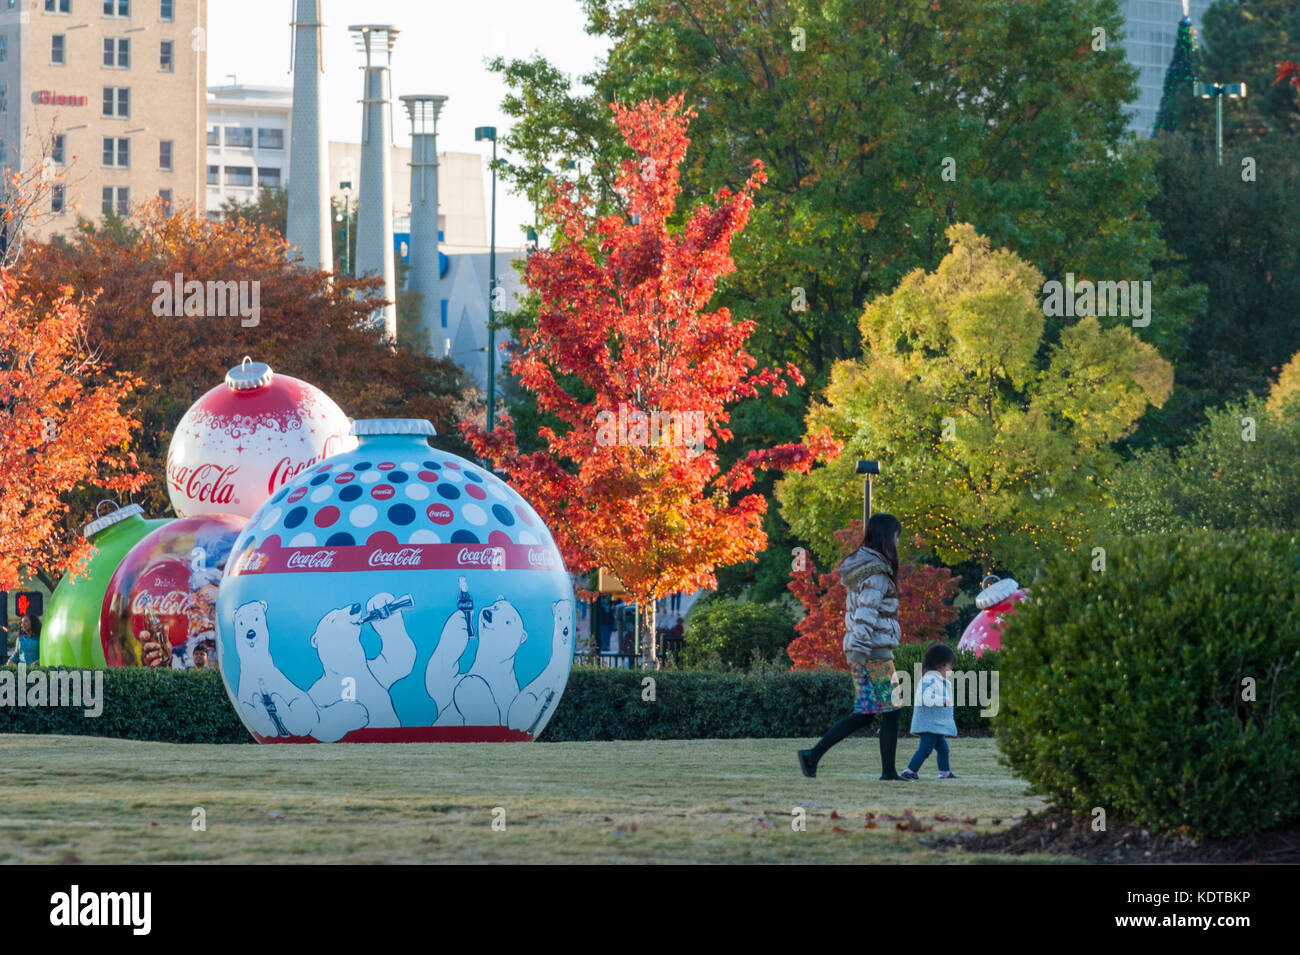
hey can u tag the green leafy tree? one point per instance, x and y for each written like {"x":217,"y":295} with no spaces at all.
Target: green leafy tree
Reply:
{"x":1238,"y":471}
{"x":270,"y":209}
{"x":994,"y":443}
{"x":1177,"y":99}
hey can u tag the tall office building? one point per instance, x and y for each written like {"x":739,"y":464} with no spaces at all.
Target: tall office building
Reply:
{"x":108,"y":95}
{"x":1149,"y":32}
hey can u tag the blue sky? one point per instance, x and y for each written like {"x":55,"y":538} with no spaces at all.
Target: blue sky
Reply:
{"x":442,"y":48}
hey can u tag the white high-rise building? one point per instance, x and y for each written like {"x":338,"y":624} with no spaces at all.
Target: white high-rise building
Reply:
{"x":1150,"y":28}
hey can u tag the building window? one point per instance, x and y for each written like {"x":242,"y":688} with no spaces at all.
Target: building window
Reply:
{"x":117,"y":101}
{"x":117,"y":152}
{"x":4,"y":47}
{"x":165,"y":10}
{"x":165,"y":55}
{"x":117,"y":52}
{"x":268,"y":176}
{"x":56,"y":149}
{"x":214,"y":175}
{"x":165,"y":196}
{"x":117,"y":199}
{"x":117,"y":8}
{"x":58,"y":51}
{"x":214,"y":135}
{"x":165,"y":154}
{"x":58,"y":6}
{"x":239,"y":137}
{"x":58,"y":199}
{"x":239,"y":175}
{"x":270,"y":139}
{"x":4,"y":98}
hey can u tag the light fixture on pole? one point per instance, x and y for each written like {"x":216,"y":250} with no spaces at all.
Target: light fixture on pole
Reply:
{"x":1217,"y":91}
{"x":345,"y":187}
{"x":481,"y":133}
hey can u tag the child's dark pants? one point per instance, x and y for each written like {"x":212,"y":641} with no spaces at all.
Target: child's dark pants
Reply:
{"x":930,"y":742}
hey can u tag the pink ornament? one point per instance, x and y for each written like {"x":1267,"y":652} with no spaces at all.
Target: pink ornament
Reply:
{"x":245,"y":439}
{"x":995,"y":601}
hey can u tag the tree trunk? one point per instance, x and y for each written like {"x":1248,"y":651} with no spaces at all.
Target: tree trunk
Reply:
{"x":652,"y":633}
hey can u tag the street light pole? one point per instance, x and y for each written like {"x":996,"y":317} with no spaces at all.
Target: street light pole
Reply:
{"x":1218,"y":91}
{"x":346,"y":189}
{"x":480,"y":134}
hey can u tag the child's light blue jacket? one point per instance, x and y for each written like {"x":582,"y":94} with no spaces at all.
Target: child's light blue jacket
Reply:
{"x":933,"y":706}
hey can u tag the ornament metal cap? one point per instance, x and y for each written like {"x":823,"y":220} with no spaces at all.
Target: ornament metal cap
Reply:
{"x":248,"y":375}
{"x":393,"y":426}
{"x":995,"y":592}
{"x":112,"y":517}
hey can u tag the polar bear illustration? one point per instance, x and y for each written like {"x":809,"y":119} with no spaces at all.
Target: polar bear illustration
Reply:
{"x":272,"y":705}
{"x":536,"y":699}
{"x":483,"y":695}
{"x":338,"y":642}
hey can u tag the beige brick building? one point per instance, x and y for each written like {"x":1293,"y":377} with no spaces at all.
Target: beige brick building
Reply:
{"x":113,"y":93}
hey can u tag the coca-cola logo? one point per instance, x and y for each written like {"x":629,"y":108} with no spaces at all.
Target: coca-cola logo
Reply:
{"x":382,"y":492}
{"x":311,"y":559}
{"x":206,"y":483}
{"x":286,"y":469}
{"x":483,"y":557}
{"x":439,"y":513}
{"x":250,"y":561}
{"x":540,"y":557}
{"x":405,"y":557}
{"x":296,"y":495}
{"x":172,"y":602}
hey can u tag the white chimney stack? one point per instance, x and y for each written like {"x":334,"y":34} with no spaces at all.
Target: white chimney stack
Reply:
{"x":308,"y":222}
{"x":375,"y":198}
{"x":425,"y":274}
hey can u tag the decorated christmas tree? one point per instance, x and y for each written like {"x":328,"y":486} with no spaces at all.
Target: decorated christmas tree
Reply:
{"x":1177,"y":97}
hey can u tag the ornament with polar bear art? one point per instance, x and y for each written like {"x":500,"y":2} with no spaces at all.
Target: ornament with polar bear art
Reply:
{"x":395,"y":593}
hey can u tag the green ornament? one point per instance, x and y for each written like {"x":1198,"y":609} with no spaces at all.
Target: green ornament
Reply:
{"x":70,"y":630}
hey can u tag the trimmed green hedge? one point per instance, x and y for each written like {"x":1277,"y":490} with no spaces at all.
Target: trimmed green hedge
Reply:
{"x":1126,"y":689}
{"x":188,"y":706}
{"x":731,"y":632}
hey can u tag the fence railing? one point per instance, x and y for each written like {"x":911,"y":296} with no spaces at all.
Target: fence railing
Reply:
{"x":668,"y":650}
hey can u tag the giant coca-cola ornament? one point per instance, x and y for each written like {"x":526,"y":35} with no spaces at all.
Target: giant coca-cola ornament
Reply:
{"x":395,"y":593}
{"x":246,"y":438}
{"x":996,"y":601}
{"x":160,"y":608}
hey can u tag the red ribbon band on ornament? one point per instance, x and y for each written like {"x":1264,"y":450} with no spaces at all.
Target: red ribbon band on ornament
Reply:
{"x":366,"y":557}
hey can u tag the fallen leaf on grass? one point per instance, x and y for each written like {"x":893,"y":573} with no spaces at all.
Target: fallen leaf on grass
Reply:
{"x":764,"y":822}
{"x":70,"y":858}
{"x":940,"y":817}
{"x":433,"y":838}
{"x":970,"y":821}
{"x":871,"y":824}
{"x":997,"y":822}
{"x":840,"y":829}
{"x":911,"y":824}
{"x":834,"y":814}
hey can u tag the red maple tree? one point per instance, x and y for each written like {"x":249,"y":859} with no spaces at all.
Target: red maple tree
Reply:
{"x":61,"y":428}
{"x":1288,"y":71}
{"x":641,"y":374}
{"x":923,"y":609}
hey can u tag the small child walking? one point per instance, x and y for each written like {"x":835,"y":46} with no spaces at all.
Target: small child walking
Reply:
{"x":932,"y":715}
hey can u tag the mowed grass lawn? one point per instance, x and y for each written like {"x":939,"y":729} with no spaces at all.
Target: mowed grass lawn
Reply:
{"x":70,"y":799}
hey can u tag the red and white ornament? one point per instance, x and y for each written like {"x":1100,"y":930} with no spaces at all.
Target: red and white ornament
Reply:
{"x":245,"y":439}
{"x":995,"y":601}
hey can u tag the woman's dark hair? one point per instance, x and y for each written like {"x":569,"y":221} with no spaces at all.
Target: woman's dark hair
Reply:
{"x":35,"y":623}
{"x":937,"y":655}
{"x":879,"y":536}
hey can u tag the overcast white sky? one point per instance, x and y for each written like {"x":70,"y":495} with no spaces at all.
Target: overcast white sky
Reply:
{"x":442,"y":49}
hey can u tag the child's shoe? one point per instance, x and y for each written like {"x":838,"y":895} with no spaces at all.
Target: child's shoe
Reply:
{"x":908,"y":774}
{"x":807,"y":764}
{"x":947,"y":775}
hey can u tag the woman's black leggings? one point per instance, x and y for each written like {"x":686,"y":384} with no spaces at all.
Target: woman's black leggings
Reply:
{"x":856,"y":721}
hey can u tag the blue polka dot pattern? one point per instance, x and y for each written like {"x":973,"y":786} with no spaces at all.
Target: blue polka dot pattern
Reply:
{"x":503,"y":515}
{"x":350,"y":493}
{"x":340,"y":540}
{"x":362,"y":466}
{"x":295,"y":517}
{"x":401,"y":514}
{"x":449,"y":491}
{"x":397,"y":477}
{"x":464,"y":537}
{"x":319,"y":479}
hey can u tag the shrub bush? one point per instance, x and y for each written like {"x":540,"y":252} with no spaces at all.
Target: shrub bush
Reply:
{"x":730,"y":631}
{"x":190,"y":706}
{"x":1126,"y":689}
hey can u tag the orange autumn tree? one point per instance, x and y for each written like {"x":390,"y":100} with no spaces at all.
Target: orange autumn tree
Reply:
{"x":923,"y":609}
{"x":640,"y":375}
{"x":60,"y":429}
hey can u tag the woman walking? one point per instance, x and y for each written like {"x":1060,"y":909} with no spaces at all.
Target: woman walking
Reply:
{"x":870,"y":575}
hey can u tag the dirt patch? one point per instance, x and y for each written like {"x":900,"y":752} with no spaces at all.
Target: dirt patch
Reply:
{"x":1059,"y":832}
